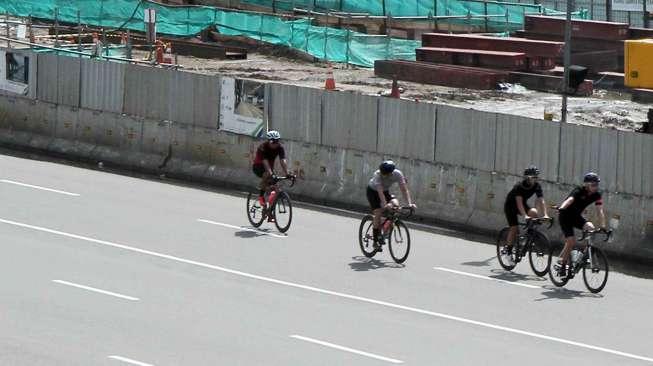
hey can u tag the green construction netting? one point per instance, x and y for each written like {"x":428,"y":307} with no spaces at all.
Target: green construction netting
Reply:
{"x":331,"y":44}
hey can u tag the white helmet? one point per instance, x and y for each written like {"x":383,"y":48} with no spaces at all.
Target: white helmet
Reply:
{"x":273,"y":135}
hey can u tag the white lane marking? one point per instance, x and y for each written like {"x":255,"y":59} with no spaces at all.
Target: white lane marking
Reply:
{"x":38,"y":187}
{"x":241,"y":228}
{"x":128,"y":360}
{"x":332,"y":293}
{"x":95,"y":290}
{"x":346,"y":349}
{"x":485,"y":277}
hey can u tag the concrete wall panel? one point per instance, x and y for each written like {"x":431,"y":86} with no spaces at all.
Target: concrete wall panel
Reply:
{"x":524,"y":141}
{"x":47,"y":77}
{"x":406,"y":128}
{"x":585,"y":149}
{"x":349,"y":120}
{"x":182,"y":97}
{"x":103,"y":85}
{"x":465,"y":137}
{"x":147,"y":92}
{"x":68,"y":82}
{"x":206,"y":103}
{"x":635,"y":166}
{"x":296,"y":112}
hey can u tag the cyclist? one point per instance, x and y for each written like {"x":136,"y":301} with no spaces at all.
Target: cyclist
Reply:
{"x":379,"y":197}
{"x":516,"y":203}
{"x":571,"y":214}
{"x":263,"y":165}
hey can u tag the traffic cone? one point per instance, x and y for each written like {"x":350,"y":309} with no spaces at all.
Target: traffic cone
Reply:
{"x":394,"y":93}
{"x":330,"y":83}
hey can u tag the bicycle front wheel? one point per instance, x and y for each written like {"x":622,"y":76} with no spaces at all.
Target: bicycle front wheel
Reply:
{"x":538,"y":254}
{"x":556,"y":274}
{"x":595,"y":272}
{"x":282,"y":212}
{"x":506,"y":257}
{"x":366,"y":236}
{"x":399,"y":242}
{"x":255,"y":213}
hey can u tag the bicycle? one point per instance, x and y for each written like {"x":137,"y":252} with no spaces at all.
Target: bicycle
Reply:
{"x":591,"y":260}
{"x":393,"y":230}
{"x":279,"y":205}
{"x":530,"y":240}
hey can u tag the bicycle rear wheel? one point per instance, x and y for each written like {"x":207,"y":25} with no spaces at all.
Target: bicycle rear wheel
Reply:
{"x":282,"y":209}
{"x":366,"y":236}
{"x":557,"y":277}
{"x":399,"y":242}
{"x":538,"y":254}
{"x":506,"y":258}
{"x":595,"y":273}
{"x":255,"y":213}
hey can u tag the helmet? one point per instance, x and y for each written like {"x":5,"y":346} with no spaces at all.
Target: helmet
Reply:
{"x":387,"y":167}
{"x":273,"y":135}
{"x":591,"y":177}
{"x":531,"y":171}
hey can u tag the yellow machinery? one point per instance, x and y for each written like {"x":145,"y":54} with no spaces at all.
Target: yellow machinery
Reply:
{"x":638,"y":63}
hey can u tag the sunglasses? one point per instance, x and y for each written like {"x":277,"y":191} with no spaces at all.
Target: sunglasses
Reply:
{"x":274,"y":141}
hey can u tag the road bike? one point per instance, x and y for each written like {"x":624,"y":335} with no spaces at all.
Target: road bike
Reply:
{"x":393,"y":230}
{"x":529,"y":239}
{"x":590,"y":260}
{"x":278,"y":208}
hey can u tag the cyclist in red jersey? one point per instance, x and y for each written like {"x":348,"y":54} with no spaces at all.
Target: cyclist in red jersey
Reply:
{"x":263,"y":165}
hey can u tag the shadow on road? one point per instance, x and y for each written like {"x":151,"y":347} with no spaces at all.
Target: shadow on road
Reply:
{"x":500,"y":274}
{"x":565,"y":294}
{"x":253,"y":233}
{"x":483,"y":263}
{"x":365,"y":264}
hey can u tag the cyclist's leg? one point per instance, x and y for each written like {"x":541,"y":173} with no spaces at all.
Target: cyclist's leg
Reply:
{"x":511,"y":217}
{"x":375,"y":205}
{"x":567,"y":225}
{"x":259,"y":171}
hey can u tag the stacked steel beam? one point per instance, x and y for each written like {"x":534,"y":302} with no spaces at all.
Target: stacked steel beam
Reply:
{"x":440,"y":74}
{"x":536,"y":54}
{"x":595,"y":44}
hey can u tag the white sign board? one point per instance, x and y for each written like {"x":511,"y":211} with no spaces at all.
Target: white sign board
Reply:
{"x":242,"y":106}
{"x":632,"y":5}
{"x":14,"y":72}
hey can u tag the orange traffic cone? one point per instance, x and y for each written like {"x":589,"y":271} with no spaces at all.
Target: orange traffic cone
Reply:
{"x":330,"y":83}
{"x":394,"y":93}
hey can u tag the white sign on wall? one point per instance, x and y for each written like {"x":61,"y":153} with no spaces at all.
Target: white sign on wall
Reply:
{"x":242,"y":106}
{"x":632,"y":5}
{"x":14,"y":72}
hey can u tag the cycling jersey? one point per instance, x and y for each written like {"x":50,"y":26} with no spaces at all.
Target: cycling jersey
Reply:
{"x":386,"y":181}
{"x":266,"y":152}
{"x":582,"y":199}
{"x":521,"y":190}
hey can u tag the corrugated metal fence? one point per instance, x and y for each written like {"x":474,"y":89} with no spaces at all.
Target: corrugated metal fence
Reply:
{"x":392,"y":127}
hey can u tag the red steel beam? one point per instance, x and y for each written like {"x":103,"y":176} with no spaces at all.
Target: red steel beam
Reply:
{"x":580,"y":28}
{"x":481,"y":58}
{"x":530,"y":47}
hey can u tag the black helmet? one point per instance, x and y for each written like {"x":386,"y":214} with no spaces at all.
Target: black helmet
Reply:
{"x":591,"y":177}
{"x":531,"y":171}
{"x":387,"y":167}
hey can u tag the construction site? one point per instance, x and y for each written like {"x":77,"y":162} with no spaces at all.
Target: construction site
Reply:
{"x":490,"y":56}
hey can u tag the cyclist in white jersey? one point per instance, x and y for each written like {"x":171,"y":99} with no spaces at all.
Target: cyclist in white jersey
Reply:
{"x":379,"y":197}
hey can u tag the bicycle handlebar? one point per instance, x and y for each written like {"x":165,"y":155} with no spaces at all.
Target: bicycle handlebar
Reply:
{"x":587,"y":233}
{"x":400,"y":208}
{"x":540,"y":221}
{"x":290,"y":177}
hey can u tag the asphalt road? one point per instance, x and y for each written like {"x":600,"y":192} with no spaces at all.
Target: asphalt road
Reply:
{"x":106,"y":269}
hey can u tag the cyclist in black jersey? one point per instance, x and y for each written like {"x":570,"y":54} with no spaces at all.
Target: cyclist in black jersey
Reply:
{"x":516,"y":202}
{"x":571,"y":212}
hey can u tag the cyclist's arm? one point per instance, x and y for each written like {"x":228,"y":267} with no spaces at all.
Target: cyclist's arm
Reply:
{"x":601,"y":214}
{"x":541,"y":206}
{"x":520,"y":205}
{"x":284,"y":166}
{"x":379,"y":190}
{"x":267,"y":166}
{"x":404,"y":190}
{"x":566,"y":203}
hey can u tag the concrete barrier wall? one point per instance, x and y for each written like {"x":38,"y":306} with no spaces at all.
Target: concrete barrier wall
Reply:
{"x":456,"y":194}
{"x":407,"y":128}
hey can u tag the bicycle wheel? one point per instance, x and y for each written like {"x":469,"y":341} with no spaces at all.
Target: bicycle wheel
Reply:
{"x":554,"y":272}
{"x":366,"y":237}
{"x":538,"y":254}
{"x":399,"y":242}
{"x":595,"y":272}
{"x":255,"y":213}
{"x":506,"y":258}
{"x":282,"y":209}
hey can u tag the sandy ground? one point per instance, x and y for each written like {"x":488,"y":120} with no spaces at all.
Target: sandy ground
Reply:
{"x":609,"y":109}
